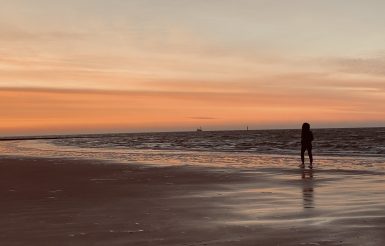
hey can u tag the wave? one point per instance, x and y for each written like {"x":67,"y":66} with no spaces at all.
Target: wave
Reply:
{"x":340,"y":142}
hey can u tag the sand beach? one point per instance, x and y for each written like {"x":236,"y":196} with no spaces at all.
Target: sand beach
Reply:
{"x":85,"y":202}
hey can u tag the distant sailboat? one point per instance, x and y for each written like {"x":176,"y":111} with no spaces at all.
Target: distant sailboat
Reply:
{"x":199,"y":129}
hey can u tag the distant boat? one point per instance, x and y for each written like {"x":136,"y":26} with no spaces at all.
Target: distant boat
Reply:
{"x":199,"y":129}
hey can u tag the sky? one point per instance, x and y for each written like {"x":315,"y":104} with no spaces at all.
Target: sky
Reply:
{"x":85,"y":66}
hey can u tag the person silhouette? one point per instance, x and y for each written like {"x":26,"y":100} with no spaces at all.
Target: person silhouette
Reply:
{"x":306,"y":139}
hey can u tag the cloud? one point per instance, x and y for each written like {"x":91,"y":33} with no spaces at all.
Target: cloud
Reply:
{"x":202,"y":118}
{"x":374,"y":66}
{"x":13,"y":33}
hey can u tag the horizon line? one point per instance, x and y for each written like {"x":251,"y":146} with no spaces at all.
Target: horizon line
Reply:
{"x":80,"y":135}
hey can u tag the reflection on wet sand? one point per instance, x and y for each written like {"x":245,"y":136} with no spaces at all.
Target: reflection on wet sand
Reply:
{"x":307,"y":188}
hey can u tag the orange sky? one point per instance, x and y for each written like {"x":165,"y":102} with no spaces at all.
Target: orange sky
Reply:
{"x":57,"y":111}
{"x":124,"y":66}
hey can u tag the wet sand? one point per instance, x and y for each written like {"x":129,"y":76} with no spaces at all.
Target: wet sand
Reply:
{"x":69,"y":202}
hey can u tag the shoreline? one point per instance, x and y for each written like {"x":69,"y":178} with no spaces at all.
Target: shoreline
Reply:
{"x":80,"y":202}
{"x":203,"y":159}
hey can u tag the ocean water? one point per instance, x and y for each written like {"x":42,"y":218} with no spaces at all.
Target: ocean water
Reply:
{"x":355,"y":147}
{"x":340,"y":142}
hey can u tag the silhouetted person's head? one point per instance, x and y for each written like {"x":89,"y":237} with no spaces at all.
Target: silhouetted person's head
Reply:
{"x":305,"y":127}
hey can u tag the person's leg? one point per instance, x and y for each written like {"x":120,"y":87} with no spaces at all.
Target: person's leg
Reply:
{"x":309,"y":151}
{"x":303,"y":148}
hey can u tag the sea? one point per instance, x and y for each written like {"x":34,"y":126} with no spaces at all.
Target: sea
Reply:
{"x":332,"y":148}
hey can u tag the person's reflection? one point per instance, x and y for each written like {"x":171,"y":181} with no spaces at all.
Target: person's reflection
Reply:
{"x":307,"y":188}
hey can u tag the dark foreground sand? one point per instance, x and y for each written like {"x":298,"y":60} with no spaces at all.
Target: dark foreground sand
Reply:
{"x":64,"y":202}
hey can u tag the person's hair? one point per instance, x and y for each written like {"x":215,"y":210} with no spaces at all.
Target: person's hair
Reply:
{"x":305,"y":127}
